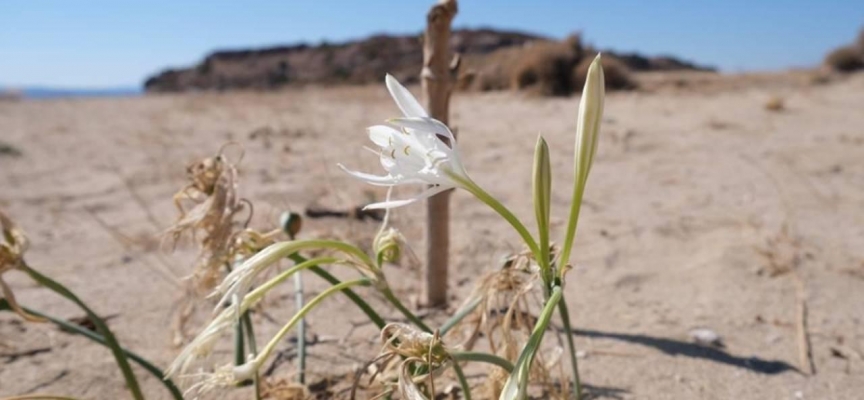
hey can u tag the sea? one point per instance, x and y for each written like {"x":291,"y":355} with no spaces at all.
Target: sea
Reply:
{"x":41,"y":92}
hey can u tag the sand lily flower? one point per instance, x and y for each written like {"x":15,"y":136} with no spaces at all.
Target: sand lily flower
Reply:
{"x":415,"y":149}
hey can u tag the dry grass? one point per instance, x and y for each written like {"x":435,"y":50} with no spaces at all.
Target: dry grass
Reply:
{"x":510,"y":301}
{"x":212,"y":191}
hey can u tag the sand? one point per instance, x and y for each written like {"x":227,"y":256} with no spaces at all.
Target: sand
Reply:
{"x":701,"y":211}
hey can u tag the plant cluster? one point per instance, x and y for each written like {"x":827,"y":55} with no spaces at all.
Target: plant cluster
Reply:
{"x":238,"y":268}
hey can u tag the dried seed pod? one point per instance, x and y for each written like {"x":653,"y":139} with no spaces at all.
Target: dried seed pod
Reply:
{"x":291,"y":223}
{"x":12,"y":250}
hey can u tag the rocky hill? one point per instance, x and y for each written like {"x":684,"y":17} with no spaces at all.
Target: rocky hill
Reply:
{"x":355,"y":62}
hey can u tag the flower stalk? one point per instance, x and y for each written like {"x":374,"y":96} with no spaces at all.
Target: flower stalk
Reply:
{"x":503,"y":211}
{"x":358,"y":301}
{"x":587,"y":130}
{"x":571,"y":348}
{"x":516,"y":386}
{"x":268,"y":349}
{"x":388,"y":294}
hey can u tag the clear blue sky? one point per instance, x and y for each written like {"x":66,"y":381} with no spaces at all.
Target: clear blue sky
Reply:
{"x":100,"y":43}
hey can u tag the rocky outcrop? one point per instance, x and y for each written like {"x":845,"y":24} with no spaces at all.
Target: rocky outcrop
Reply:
{"x":355,"y":62}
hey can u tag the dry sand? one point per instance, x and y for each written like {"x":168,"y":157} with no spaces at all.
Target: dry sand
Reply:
{"x":698,"y":195}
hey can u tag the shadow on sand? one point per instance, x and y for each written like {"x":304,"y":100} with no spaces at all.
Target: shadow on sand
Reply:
{"x":591,"y":392}
{"x":686,"y":349}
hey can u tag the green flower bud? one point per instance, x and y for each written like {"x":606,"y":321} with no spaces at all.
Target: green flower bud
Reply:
{"x":387,"y":245}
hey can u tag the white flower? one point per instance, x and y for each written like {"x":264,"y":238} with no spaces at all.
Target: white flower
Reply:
{"x":413,"y":150}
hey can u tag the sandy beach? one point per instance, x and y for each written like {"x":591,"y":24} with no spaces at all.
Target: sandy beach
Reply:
{"x":704,"y":210}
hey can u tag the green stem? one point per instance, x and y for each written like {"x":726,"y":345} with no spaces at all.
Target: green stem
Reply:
{"x":466,"y":389}
{"x":496,"y":205}
{"x":459,"y":316}
{"x":266,"y":287}
{"x":526,"y":358}
{"x":483,"y":357}
{"x":250,"y":333}
{"x":574,"y":363}
{"x":570,"y":235}
{"x":110,"y":340}
{"x":301,"y":331}
{"x":239,"y":346}
{"x":284,"y":275}
{"x":77,"y":329}
{"x":259,"y":358}
{"x":249,"y":329}
{"x":362,"y":304}
{"x":388,"y":294}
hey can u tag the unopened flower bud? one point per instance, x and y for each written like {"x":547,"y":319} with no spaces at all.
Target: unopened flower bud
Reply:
{"x":386,"y":245}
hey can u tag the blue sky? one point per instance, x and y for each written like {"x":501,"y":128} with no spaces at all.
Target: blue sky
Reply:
{"x":99,"y":43}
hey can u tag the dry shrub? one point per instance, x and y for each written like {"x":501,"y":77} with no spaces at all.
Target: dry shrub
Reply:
{"x":489,"y":71}
{"x":465,"y":80}
{"x":13,"y":245}
{"x":845,"y":59}
{"x":212,"y":191}
{"x":493,"y":80}
{"x":544,"y":69}
{"x":510,"y":301}
{"x":574,"y":42}
{"x":617,"y":73}
{"x":408,"y":356}
{"x":210,"y":210}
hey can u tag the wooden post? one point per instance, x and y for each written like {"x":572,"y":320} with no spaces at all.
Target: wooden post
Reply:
{"x":437,"y":77}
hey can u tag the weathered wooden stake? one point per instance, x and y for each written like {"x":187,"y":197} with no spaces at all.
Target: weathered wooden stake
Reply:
{"x":437,"y":77}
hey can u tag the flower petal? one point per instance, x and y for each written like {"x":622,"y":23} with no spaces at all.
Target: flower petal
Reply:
{"x":381,"y":135}
{"x":404,"y":99}
{"x":424,"y":125}
{"x":387,"y":180}
{"x":429,"y":192}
